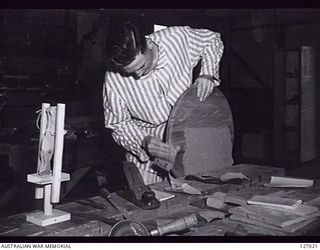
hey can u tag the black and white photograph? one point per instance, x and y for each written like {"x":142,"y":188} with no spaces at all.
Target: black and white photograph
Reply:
{"x":160,"y":125}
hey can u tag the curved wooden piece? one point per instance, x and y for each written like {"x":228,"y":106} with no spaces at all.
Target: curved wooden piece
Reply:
{"x":189,"y":113}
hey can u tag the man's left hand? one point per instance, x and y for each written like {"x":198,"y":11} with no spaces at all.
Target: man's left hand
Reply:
{"x":204,"y":88}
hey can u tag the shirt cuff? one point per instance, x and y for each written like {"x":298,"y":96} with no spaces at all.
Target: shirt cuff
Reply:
{"x":211,"y":78}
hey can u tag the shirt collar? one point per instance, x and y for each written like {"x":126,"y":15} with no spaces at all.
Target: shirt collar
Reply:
{"x":163,"y":58}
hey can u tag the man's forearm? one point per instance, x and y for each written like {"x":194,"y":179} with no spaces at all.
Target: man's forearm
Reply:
{"x":130,"y":137}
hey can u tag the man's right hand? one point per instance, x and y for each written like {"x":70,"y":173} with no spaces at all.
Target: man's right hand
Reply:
{"x":157,"y":148}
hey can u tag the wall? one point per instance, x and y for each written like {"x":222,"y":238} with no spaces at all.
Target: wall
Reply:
{"x":254,"y":37}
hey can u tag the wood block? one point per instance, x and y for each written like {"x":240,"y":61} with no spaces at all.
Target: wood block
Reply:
{"x":41,"y":219}
{"x":46,"y":179}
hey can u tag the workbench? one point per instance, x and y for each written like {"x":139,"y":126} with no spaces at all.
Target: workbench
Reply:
{"x":89,"y":221}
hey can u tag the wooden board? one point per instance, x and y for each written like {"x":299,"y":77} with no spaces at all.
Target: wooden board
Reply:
{"x":189,"y":113}
{"x":271,"y":216}
{"x":301,"y":210}
{"x":289,"y":229}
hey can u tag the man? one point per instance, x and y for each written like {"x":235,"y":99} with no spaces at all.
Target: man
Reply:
{"x":144,"y":79}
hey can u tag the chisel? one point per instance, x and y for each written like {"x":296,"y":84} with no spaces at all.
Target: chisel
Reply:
{"x":106,"y":195}
{"x":92,"y":204}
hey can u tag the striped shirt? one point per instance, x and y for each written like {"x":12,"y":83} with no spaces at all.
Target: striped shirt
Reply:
{"x":135,"y":108}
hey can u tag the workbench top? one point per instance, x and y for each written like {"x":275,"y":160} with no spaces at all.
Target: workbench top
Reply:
{"x":88,"y":221}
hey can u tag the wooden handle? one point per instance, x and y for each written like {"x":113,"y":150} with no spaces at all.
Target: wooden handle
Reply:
{"x":176,"y":225}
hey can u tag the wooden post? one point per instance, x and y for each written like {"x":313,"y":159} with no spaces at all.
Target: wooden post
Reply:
{"x":47,"y":200}
{"x":58,"y":150}
{"x":43,"y":121}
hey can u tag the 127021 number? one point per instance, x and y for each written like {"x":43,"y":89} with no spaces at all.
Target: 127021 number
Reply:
{"x":306,"y":245}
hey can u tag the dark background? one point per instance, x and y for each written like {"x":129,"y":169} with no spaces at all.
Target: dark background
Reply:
{"x":49,"y":55}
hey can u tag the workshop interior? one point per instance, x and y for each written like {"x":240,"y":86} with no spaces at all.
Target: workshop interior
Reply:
{"x":251,"y":159}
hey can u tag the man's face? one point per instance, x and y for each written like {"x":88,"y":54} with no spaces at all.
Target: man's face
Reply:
{"x":141,"y":65}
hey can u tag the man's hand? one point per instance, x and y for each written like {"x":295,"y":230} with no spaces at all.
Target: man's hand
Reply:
{"x":157,"y":148}
{"x":204,"y":88}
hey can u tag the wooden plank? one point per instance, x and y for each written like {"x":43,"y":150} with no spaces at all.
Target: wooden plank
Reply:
{"x":289,"y":229}
{"x":275,"y":202}
{"x":238,"y":228}
{"x":301,"y":210}
{"x":271,"y":216}
{"x":308,"y":114}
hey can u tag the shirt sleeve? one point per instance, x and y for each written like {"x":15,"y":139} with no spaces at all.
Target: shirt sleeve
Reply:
{"x":124,"y":131}
{"x":208,"y":46}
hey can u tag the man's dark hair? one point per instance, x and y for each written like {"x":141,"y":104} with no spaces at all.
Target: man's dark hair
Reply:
{"x":123,"y":43}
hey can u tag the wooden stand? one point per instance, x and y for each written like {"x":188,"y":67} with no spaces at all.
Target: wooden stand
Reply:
{"x":48,"y":184}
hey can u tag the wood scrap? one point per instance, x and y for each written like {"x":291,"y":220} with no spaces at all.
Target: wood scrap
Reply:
{"x":272,"y":201}
{"x":290,"y":229}
{"x":277,"y":181}
{"x":216,"y":200}
{"x":272,"y":217}
{"x":301,"y":210}
{"x":235,"y":199}
{"x":210,"y":215}
{"x":242,"y":200}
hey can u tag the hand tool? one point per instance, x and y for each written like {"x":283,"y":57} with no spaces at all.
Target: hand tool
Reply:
{"x":176,"y":225}
{"x":136,"y":228}
{"x":175,"y":166}
{"x":137,"y":192}
{"x":128,"y":228}
{"x":106,"y":195}
{"x":91,"y":203}
{"x":109,"y":221}
{"x":213,"y":180}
